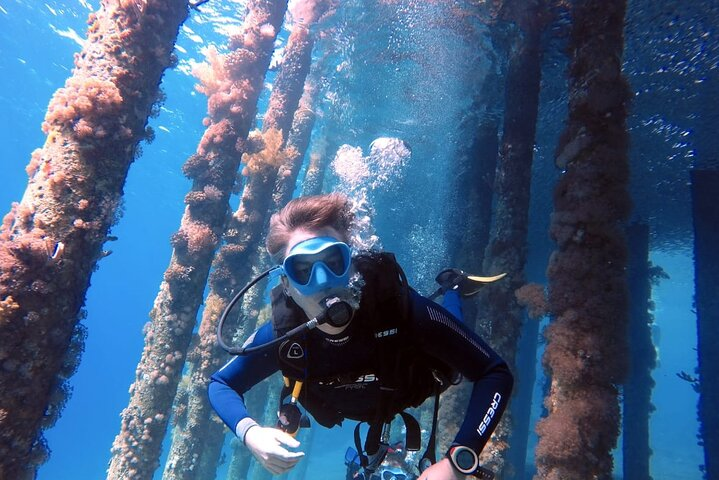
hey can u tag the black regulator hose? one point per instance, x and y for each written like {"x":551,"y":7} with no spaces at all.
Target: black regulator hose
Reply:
{"x":223,"y":317}
{"x":337,"y":313}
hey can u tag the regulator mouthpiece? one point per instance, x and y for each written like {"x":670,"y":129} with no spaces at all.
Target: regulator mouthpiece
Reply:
{"x":338,"y":313}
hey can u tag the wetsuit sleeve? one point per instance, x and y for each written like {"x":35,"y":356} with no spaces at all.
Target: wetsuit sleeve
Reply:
{"x":229,"y":384}
{"x":440,"y":334}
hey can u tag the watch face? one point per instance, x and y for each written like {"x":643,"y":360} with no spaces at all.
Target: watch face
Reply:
{"x":464,"y":459}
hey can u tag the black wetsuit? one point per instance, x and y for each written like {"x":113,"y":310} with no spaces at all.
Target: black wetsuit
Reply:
{"x":434,"y":331}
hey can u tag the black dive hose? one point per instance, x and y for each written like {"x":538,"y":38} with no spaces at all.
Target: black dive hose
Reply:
{"x":337,"y":313}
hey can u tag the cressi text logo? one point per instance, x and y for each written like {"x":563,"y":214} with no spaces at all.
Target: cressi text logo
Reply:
{"x":490,"y":414}
{"x":386,"y":333}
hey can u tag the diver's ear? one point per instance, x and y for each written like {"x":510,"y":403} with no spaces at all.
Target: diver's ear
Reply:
{"x":285,"y":285}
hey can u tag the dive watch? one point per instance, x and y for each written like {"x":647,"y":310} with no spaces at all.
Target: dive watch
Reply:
{"x":466,"y":462}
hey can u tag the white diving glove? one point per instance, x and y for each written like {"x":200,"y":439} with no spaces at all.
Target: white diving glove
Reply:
{"x":266,"y":444}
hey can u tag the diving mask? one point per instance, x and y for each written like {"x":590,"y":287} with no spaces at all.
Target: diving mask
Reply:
{"x":318,"y":264}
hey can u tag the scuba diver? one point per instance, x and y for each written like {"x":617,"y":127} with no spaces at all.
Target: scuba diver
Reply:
{"x":394,"y":466}
{"x":354,"y":341}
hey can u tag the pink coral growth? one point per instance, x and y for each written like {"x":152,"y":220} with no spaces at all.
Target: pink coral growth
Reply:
{"x":215,"y":135}
{"x":307,"y":12}
{"x":177,"y":273}
{"x":212,"y":193}
{"x":270,"y":154}
{"x":573,"y":428}
{"x":210,"y":73}
{"x":199,"y":236}
{"x":34,"y":165}
{"x":6,"y":228}
{"x":267,"y":31}
{"x":533,"y":297}
{"x":83,"y":98}
{"x":224,"y":79}
{"x":195,"y":165}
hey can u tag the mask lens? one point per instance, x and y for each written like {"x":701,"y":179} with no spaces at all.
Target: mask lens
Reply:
{"x":334,"y":260}
{"x":299,"y":268}
{"x":289,"y":418}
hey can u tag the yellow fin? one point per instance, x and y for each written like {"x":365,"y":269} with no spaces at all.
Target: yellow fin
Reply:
{"x":475,"y":278}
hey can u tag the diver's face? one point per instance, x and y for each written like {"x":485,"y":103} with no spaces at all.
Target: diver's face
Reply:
{"x":330,"y":257}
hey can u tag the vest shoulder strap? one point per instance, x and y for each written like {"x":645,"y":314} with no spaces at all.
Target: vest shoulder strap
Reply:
{"x":286,"y":314}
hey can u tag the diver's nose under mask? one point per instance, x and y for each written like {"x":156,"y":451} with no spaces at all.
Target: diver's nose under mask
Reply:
{"x":317,"y":303}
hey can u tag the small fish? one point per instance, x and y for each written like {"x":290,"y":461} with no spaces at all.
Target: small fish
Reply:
{"x":58,"y":251}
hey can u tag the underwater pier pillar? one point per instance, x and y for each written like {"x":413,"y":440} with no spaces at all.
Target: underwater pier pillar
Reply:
{"x":214,"y":437}
{"x":257,"y":401}
{"x":586,"y":352}
{"x":271,"y":401}
{"x":299,"y":138}
{"x":507,"y":248}
{"x":319,"y":159}
{"x":474,"y":174}
{"x":240,"y":458}
{"x":297,"y":142}
{"x":639,"y":384}
{"x":501,"y":316}
{"x":233,"y":83}
{"x":288,"y":86}
{"x":264,"y":153}
{"x":472,"y":209}
{"x":52,"y":239}
{"x":704,"y":186}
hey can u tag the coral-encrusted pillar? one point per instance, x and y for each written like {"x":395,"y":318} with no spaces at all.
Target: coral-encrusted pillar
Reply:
{"x":507,"y":249}
{"x":299,"y":138}
{"x":233,"y":83}
{"x":298,"y":141}
{"x":586,"y":353}
{"x":272,"y":399}
{"x":472,"y":209}
{"x":317,"y":165}
{"x":706,"y":283}
{"x":638,"y":387}
{"x":475,"y":169}
{"x":51,"y":241}
{"x":500,"y":318}
{"x":232,"y":267}
{"x":240,"y":459}
{"x":288,"y":86}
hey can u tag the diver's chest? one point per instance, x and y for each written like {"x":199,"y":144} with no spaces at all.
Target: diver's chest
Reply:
{"x":351,"y":361}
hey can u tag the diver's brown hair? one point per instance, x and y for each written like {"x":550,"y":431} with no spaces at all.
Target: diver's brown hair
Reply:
{"x":309,"y":213}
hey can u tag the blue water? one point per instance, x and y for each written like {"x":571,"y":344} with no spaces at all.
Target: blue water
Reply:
{"x":386,"y":96}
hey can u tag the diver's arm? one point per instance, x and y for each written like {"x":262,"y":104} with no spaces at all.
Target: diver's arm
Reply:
{"x":226,"y":389}
{"x":231,"y":382}
{"x":440,"y":334}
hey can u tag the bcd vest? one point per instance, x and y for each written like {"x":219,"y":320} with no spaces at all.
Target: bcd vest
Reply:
{"x":407,"y":376}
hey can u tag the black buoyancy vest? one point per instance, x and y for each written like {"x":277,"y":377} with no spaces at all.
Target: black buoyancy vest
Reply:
{"x":409,"y":375}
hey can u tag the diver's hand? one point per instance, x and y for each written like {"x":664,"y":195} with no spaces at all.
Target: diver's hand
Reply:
{"x":266,"y":444}
{"x":442,"y":470}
